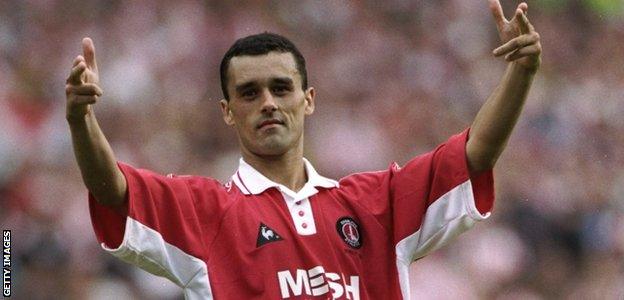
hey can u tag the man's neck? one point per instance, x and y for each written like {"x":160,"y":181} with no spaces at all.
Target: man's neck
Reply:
{"x":287,"y":169}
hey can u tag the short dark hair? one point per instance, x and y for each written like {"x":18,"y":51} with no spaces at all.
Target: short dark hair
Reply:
{"x":260,"y":44}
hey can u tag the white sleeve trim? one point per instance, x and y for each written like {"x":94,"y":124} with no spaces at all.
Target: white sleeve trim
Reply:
{"x":145,"y":247}
{"x":470,"y":203}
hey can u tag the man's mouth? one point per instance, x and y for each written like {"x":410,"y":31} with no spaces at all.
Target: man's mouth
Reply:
{"x":269,"y":123}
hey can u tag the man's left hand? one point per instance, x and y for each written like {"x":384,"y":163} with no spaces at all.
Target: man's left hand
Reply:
{"x":521,"y":43}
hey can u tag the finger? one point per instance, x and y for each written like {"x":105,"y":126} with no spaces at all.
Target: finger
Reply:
{"x":534,"y":49}
{"x":497,"y":13}
{"x":524,"y":7}
{"x":87,"y":89}
{"x":88,"y":49}
{"x":78,"y":59}
{"x":80,"y":100}
{"x":523,"y":22}
{"x":530,"y":26}
{"x":76,"y":73}
{"x":516,"y":43}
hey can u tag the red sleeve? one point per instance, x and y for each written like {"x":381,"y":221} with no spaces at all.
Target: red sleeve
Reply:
{"x":163,"y":212}
{"x":430,"y":200}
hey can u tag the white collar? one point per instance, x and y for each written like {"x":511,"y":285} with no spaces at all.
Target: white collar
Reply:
{"x":250,"y":181}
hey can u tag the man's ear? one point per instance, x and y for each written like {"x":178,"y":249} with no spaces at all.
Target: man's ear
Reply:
{"x":309,"y":99}
{"x":227,"y":112}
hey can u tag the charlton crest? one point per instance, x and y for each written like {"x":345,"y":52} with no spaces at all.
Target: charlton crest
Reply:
{"x":349,"y":231}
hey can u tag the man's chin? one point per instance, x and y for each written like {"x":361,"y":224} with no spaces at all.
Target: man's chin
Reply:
{"x":271,"y":147}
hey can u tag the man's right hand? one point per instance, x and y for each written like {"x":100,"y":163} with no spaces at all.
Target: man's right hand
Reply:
{"x":81,"y":88}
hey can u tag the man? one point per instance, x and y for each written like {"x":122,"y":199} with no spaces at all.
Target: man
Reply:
{"x":278,"y":229}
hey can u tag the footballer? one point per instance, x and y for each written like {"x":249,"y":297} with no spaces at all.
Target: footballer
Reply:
{"x":278,"y":229}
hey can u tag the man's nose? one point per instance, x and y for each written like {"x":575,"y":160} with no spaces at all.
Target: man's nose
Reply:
{"x":269,"y":103}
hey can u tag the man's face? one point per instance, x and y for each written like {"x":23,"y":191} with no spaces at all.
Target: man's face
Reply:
{"x":267,"y":104}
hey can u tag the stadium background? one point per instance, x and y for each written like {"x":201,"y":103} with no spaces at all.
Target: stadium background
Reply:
{"x":393,"y":79}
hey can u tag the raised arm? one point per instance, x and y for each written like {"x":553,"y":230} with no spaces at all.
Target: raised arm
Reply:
{"x":497,"y":117}
{"x":94,"y":155}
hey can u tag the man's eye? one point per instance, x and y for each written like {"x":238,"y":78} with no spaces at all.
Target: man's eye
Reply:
{"x":249,"y":94}
{"x":281,"y":89}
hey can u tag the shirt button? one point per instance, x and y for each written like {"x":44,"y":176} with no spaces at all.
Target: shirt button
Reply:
{"x":301,"y":213}
{"x":304,"y":225}
{"x":298,"y":202}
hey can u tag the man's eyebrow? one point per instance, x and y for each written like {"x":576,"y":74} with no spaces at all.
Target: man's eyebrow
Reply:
{"x":283,"y":80}
{"x":243,"y":86}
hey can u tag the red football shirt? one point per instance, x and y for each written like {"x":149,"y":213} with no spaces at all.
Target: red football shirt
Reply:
{"x":252,"y":238}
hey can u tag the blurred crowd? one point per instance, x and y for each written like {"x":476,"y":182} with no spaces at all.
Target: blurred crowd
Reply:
{"x":393,"y":79}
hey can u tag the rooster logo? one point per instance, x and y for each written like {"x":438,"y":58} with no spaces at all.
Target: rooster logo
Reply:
{"x":266,"y":235}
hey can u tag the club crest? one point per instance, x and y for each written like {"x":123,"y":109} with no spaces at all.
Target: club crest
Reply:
{"x":350,"y":232}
